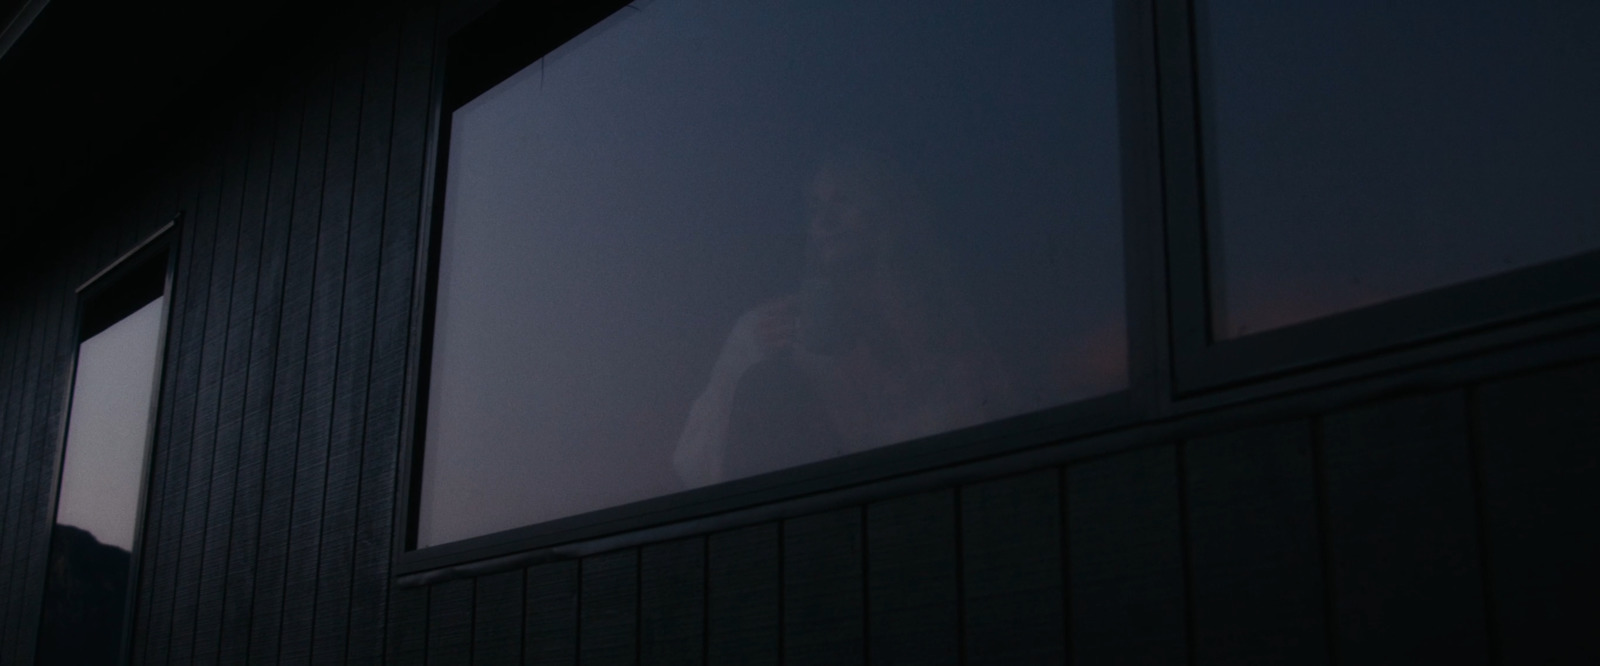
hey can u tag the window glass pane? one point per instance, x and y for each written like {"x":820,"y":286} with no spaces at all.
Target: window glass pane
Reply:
{"x":714,"y":238}
{"x":1362,"y":151}
{"x":101,"y":475}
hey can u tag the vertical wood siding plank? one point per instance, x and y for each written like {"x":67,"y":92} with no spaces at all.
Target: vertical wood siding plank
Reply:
{"x":608,"y":610}
{"x":1011,"y":570}
{"x":217,"y":209}
{"x":16,"y":466}
{"x":550,"y":629}
{"x":913,"y":580}
{"x":672,"y":603}
{"x":744,"y":596}
{"x":352,"y":377}
{"x":198,"y":410}
{"x":450,"y":623}
{"x":1540,"y":438}
{"x":194,"y":280}
{"x":49,"y":409}
{"x":234,"y":464}
{"x":1125,"y":560}
{"x":289,"y":375}
{"x":18,"y":423}
{"x":497,"y":621}
{"x":408,"y":633}
{"x":1254,"y":549}
{"x":824,"y":616}
{"x":250,"y":168}
{"x":1402,"y":533}
{"x":322,"y":362}
{"x":273,"y":207}
{"x":50,"y":441}
{"x":25,"y":321}
{"x":166,"y":205}
{"x":13,"y":328}
{"x":164,"y":513}
{"x":376,"y":523}
{"x":42,"y":435}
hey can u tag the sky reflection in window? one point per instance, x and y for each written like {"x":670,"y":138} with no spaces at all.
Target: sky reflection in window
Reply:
{"x":711,"y":239}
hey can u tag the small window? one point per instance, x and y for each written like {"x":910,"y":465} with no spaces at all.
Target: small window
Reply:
{"x":712,"y":239}
{"x":99,"y":500}
{"x":1356,"y":155}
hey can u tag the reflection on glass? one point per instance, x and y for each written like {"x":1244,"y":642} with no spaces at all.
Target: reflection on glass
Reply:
{"x":101,"y":472}
{"x":1358,"y":153}
{"x":712,"y":239}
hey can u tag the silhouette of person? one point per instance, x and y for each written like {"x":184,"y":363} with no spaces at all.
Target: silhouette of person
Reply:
{"x":877,"y":346}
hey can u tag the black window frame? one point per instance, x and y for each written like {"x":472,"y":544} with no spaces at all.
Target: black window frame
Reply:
{"x":483,"y":46}
{"x":1503,"y":308}
{"x":159,"y":250}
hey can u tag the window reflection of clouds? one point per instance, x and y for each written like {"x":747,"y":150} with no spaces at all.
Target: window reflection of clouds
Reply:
{"x":611,"y":215}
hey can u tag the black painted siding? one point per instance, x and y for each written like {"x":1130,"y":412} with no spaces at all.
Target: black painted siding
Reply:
{"x":269,"y":511}
{"x":1446,"y":524}
{"x":1353,"y":536}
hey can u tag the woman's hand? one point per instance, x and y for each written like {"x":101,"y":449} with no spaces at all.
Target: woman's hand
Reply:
{"x":776,"y":325}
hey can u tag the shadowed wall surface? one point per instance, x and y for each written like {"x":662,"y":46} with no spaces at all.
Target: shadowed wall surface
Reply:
{"x":1436,"y":514}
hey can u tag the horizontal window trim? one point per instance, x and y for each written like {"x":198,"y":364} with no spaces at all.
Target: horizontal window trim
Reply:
{"x":156,"y":239}
{"x":1454,"y":374}
{"x":1506,"y":300}
{"x":989,"y":440}
{"x":1144,"y":314}
{"x":163,"y":240}
{"x":1374,"y":338}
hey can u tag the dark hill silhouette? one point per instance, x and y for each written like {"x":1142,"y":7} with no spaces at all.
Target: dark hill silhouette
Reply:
{"x":85,"y":597}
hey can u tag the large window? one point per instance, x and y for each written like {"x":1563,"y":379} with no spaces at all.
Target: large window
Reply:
{"x":99,"y":499}
{"x":712,"y":239}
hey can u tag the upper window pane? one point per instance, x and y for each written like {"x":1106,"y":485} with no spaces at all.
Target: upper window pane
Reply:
{"x":713,"y":238}
{"x":1358,"y":152}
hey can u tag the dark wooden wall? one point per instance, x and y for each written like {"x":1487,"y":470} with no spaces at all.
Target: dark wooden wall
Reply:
{"x":1450,"y":525}
{"x":270,"y":509}
{"x":1446,"y":527}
